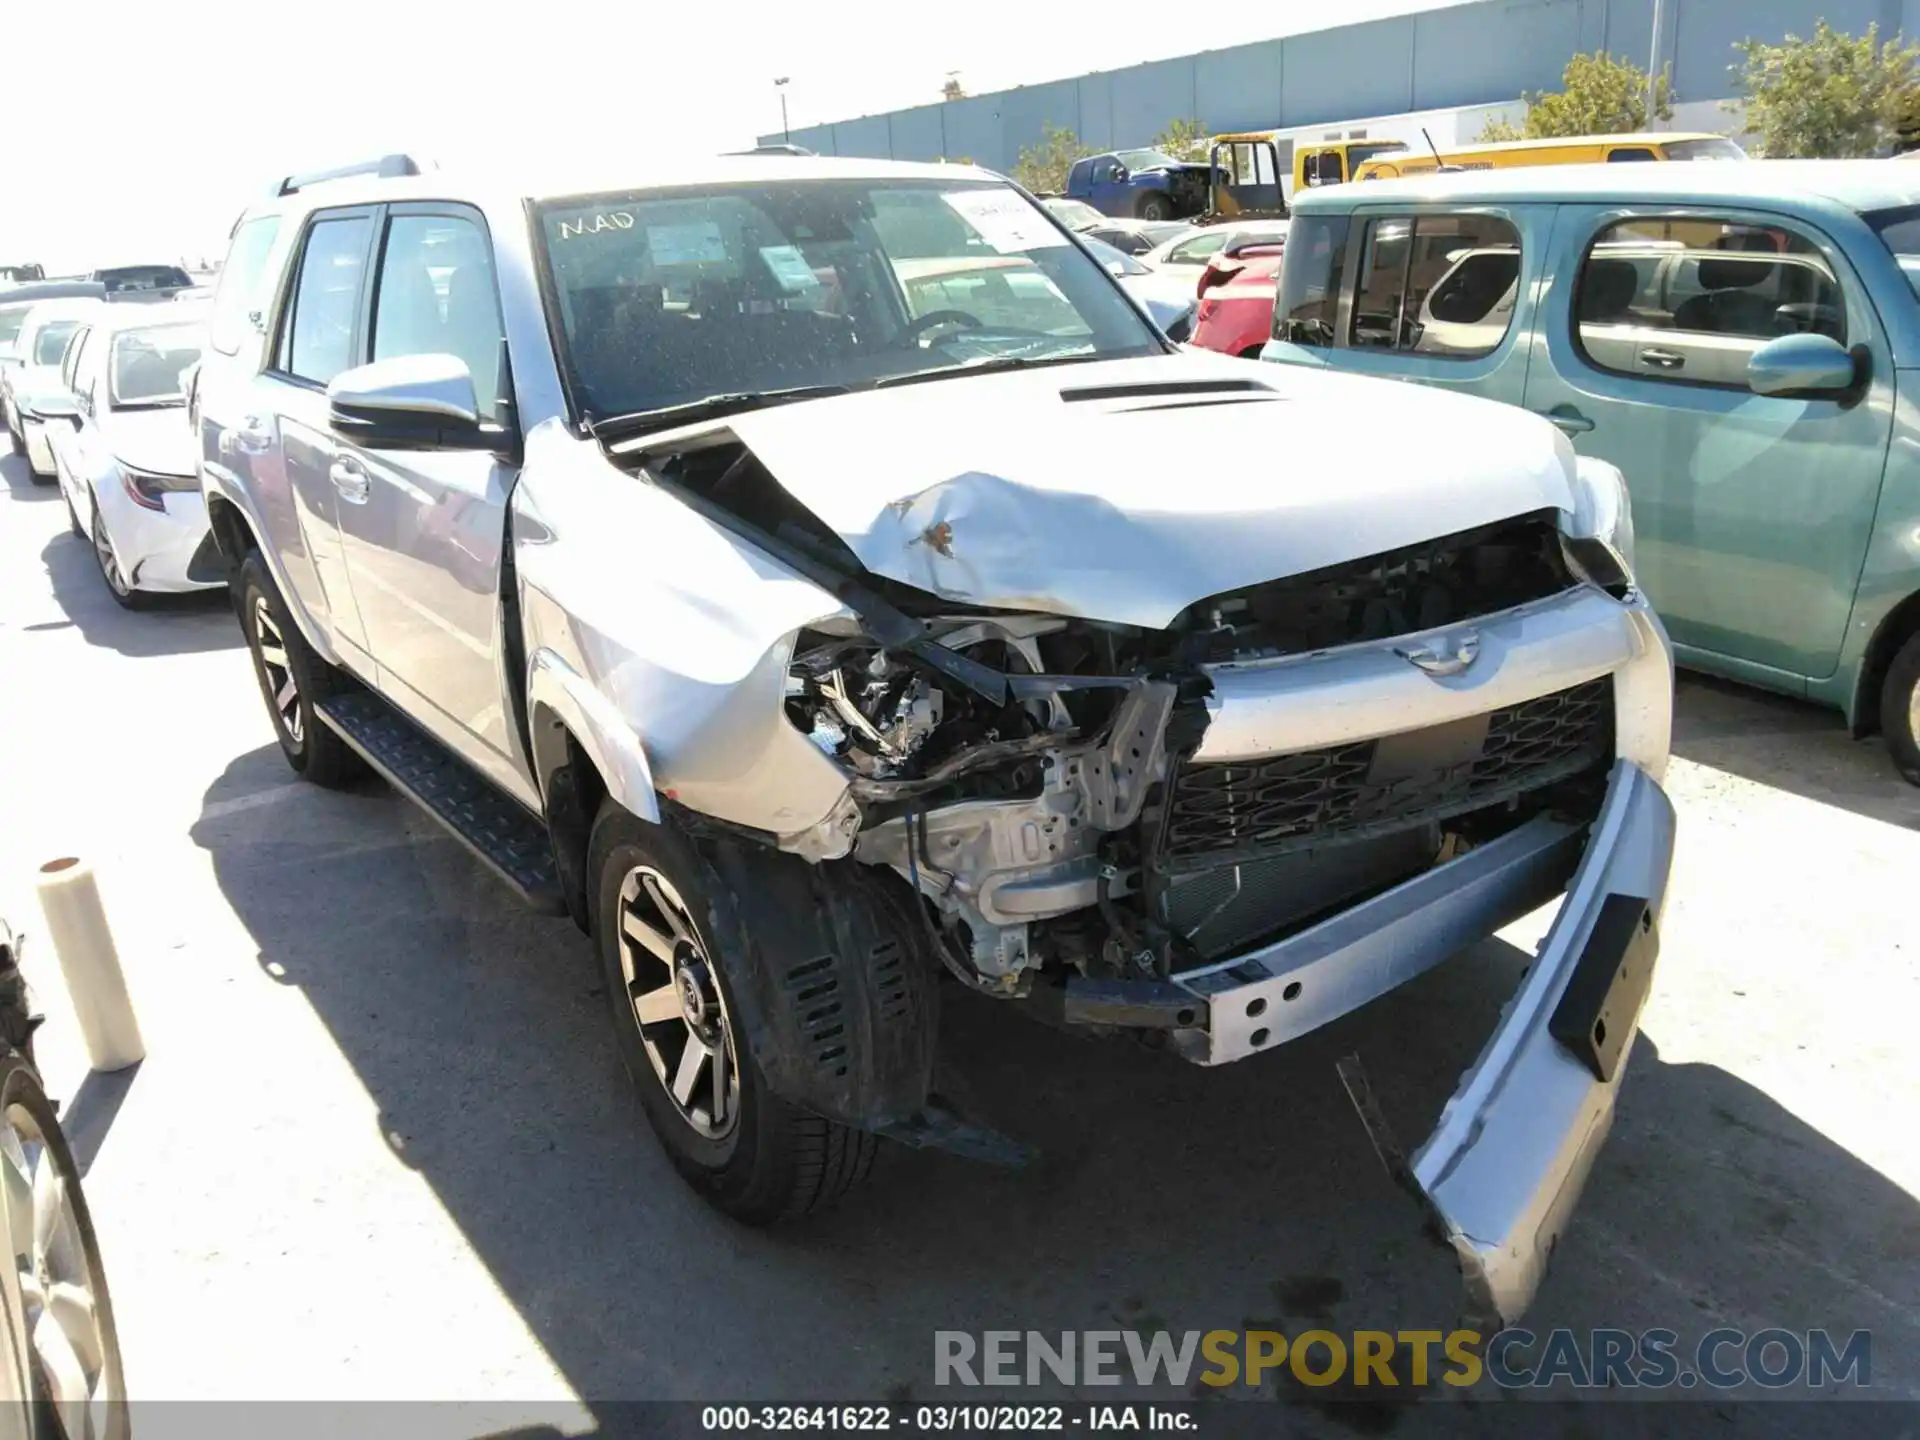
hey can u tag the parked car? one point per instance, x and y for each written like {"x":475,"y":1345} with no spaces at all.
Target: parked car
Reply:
{"x":808,"y":642}
{"x":1143,"y":184}
{"x":1191,"y":253}
{"x":144,"y":282}
{"x":1076,"y":215}
{"x":60,"y":1366}
{"x":1235,"y":315}
{"x":1736,"y":338}
{"x":15,"y":303}
{"x":1138,"y":237}
{"x":19,"y":273}
{"x":38,"y":349}
{"x":124,"y":454}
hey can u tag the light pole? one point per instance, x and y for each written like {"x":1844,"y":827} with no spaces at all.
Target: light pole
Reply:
{"x":780,"y":84}
{"x":1653,"y":71}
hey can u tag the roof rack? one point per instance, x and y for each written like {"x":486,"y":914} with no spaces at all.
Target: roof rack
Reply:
{"x":387,"y":167}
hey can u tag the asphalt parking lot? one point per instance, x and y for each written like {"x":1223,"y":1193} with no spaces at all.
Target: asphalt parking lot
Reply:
{"x":382,"y":1147}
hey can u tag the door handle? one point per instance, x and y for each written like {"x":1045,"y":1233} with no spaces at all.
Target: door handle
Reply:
{"x":1663,"y":359}
{"x":351,"y":481}
{"x":1570,"y":420}
{"x":252,"y":436}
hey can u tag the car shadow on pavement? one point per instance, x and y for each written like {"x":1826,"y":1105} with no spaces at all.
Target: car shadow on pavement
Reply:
{"x":20,"y":482}
{"x":186,"y":624}
{"x":1790,"y":744}
{"x":1165,"y":1197}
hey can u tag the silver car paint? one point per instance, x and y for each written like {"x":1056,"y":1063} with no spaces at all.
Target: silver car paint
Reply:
{"x":660,"y":640}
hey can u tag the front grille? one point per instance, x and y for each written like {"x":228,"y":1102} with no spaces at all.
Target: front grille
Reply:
{"x":1419,"y":587}
{"x":1220,"y":813}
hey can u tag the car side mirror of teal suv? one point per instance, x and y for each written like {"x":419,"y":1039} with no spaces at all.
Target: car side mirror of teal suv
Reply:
{"x":1803,"y":365}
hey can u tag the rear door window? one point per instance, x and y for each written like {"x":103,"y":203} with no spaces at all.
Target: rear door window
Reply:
{"x":318,"y":338}
{"x":1436,"y":285}
{"x":1689,"y":299}
{"x":239,"y":303}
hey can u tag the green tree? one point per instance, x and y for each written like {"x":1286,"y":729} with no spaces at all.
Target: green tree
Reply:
{"x":1043,"y":166}
{"x":953,"y":89}
{"x":1184,"y":140}
{"x":1829,"y":96}
{"x":1598,"y":95}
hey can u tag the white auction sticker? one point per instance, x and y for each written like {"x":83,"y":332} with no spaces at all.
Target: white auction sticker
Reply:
{"x":686,"y":244}
{"x":789,"y":267}
{"x":1005,"y":221}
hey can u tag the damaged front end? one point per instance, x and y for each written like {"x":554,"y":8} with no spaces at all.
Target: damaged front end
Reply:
{"x":1224,"y":832}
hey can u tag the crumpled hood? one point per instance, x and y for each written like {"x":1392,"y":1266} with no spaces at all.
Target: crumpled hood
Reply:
{"x":157,"y":441}
{"x":1128,"y":505}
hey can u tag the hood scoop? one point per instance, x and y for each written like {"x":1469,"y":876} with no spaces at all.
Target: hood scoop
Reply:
{"x":1173,"y":394}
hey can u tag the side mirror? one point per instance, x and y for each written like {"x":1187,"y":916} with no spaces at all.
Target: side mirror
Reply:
{"x":412,"y":402}
{"x":1120,"y":175}
{"x":1802,"y":365}
{"x":54,"y":407}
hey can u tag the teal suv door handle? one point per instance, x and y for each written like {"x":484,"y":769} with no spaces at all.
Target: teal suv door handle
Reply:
{"x":1570,"y":420}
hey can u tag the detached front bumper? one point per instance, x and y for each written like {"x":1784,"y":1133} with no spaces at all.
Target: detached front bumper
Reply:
{"x":1506,"y":1164}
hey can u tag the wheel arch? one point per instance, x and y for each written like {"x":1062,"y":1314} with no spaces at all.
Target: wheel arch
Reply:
{"x":1896,"y":627}
{"x":582,"y":752}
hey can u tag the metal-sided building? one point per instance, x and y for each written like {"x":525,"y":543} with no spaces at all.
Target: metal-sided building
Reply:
{"x":1445,"y":69}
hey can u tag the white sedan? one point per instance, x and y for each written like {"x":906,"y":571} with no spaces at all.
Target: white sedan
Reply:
{"x":124,"y":451}
{"x":36,"y":353}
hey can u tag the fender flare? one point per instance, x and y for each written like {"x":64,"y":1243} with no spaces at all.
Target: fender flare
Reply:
{"x":560,"y":701}
{"x":215,"y":487}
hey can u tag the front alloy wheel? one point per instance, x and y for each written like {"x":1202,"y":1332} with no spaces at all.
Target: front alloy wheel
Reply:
{"x":65,"y":1313}
{"x":677,"y":1005}
{"x":282,"y":688}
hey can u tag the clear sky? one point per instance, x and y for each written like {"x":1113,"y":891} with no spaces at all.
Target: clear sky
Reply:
{"x":138,"y":131}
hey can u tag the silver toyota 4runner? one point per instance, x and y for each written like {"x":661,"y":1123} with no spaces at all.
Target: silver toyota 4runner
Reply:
{"x":818,"y":577}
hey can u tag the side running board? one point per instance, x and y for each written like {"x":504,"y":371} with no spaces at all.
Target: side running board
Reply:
{"x":507,"y":839}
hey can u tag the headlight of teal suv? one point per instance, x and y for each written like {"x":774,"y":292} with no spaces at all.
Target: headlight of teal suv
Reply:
{"x":1598,"y":535}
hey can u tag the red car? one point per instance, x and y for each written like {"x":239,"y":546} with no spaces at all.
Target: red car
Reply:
{"x":1236,"y":295}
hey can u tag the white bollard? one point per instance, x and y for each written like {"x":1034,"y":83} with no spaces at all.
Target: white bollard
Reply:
{"x":78,"y":928}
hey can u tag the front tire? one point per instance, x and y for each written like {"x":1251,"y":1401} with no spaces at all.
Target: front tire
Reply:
{"x":1900,"y":710}
{"x":291,"y":679}
{"x":124,"y":595}
{"x":669,"y":946}
{"x":1156,"y":207}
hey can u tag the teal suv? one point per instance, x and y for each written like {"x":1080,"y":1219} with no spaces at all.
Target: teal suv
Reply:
{"x":1741,"y":340}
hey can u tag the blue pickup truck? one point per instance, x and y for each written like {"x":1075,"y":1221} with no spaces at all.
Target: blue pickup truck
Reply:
{"x":1141,"y":184}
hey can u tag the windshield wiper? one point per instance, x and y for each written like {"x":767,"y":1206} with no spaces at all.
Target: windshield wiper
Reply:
{"x":987,"y":366}
{"x":709,"y":407}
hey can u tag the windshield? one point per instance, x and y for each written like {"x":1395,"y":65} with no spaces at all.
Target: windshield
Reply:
{"x":144,"y":277}
{"x":1716,"y":148}
{"x":1074,"y":214}
{"x":1145,"y":159}
{"x":51,"y":343}
{"x":1358,"y":155}
{"x":147,"y":365}
{"x":671,"y":298}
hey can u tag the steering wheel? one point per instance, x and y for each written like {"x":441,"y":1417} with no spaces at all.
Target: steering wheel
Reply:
{"x":940,"y":317}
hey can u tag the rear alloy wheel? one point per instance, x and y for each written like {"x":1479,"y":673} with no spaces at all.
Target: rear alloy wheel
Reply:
{"x":1900,"y":710}
{"x":124,"y":595}
{"x":65,"y":1311}
{"x":291,"y":679}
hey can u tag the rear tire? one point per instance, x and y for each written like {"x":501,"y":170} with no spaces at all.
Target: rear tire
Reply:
{"x":1900,"y":710}
{"x":291,"y":679}
{"x":746,"y":1151}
